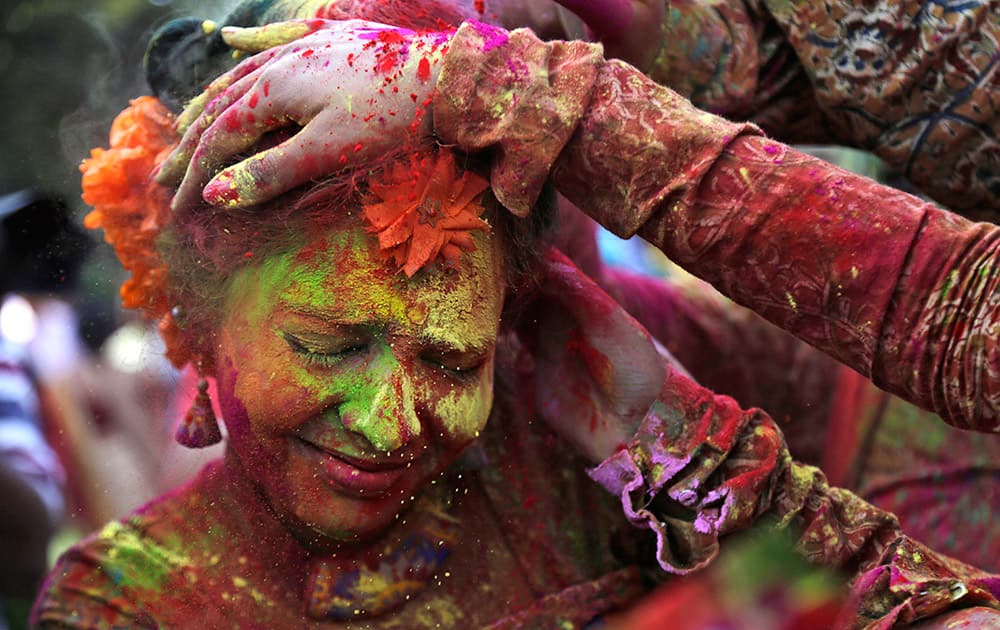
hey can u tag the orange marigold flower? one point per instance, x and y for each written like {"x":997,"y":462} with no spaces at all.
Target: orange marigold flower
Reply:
{"x":421,"y":209}
{"x":128,"y":205}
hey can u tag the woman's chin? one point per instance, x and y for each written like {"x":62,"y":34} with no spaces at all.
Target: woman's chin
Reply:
{"x":324,"y":515}
{"x":338,"y":524}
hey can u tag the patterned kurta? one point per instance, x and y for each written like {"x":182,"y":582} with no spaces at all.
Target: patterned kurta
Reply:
{"x":914,"y":82}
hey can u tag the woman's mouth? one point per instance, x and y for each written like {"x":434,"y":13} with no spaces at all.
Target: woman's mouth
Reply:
{"x":362,"y":479}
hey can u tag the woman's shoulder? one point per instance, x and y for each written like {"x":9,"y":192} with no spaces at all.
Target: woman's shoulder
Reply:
{"x":116,"y":576}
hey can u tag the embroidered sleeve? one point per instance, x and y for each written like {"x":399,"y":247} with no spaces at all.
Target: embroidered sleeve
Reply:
{"x":894,"y":287}
{"x":914,"y":82}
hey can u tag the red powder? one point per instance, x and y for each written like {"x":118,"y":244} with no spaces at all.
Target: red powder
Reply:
{"x":480,"y":6}
{"x":231,"y":122}
{"x":424,"y":69}
{"x":223,"y":192}
{"x":597,"y":364}
{"x":308,"y":53}
{"x":267,"y":87}
{"x":253,"y":100}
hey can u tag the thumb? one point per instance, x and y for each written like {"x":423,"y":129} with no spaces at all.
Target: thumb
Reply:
{"x":258,"y":38}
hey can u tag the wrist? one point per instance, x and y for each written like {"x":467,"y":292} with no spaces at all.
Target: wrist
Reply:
{"x":516,"y":95}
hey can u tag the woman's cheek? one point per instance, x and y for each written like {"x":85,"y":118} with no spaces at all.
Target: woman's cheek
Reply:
{"x":462,"y":412}
{"x":277,"y":395}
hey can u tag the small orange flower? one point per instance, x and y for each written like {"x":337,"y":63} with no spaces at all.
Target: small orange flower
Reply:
{"x":129,"y":206}
{"x":421,"y":209}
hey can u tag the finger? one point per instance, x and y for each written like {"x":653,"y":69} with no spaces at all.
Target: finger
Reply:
{"x":220,"y":85}
{"x":229,"y":124}
{"x":304,"y":157}
{"x":200,"y":113}
{"x":256,"y":39}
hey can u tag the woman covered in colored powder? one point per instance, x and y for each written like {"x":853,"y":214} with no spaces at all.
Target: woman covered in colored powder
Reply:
{"x":928,"y":111}
{"x":354,"y":329}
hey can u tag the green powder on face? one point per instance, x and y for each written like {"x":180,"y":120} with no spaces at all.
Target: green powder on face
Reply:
{"x":340,"y":279}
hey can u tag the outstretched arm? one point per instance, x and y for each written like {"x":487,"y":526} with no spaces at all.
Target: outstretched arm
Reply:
{"x":894,"y":287}
{"x":890,"y":285}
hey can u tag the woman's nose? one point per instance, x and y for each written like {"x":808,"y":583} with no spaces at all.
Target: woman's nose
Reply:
{"x":385,"y":413}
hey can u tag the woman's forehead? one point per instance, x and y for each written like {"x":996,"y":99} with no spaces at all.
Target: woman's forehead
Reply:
{"x":340,"y":276}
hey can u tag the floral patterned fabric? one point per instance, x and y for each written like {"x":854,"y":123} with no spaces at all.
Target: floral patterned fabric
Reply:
{"x":914,"y":82}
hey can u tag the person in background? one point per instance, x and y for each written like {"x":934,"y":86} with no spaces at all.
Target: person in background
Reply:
{"x":37,"y":248}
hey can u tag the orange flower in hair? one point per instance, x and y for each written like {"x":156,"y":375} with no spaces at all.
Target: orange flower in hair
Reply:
{"x":422,"y":209}
{"x":130,"y":207}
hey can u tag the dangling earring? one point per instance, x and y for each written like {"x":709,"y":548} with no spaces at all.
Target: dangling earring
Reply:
{"x":200,"y":428}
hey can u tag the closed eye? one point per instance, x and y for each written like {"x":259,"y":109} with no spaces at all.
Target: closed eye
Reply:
{"x":456,"y":364}
{"x":324,"y":352}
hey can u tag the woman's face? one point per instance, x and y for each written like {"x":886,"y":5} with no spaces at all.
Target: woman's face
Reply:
{"x":345,"y":387}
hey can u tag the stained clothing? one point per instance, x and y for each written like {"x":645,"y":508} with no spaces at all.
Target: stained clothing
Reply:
{"x":892,"y":286}
{"x":941,"y":482}
{"x":913,"y":82}
{"x":916,"y":84}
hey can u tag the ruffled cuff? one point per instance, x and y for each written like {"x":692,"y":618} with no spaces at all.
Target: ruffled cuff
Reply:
{"x":516,"y":95}
{"x":700,"y":468}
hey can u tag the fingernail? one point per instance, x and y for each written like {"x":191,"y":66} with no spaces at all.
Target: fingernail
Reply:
{"x":221,"y":191}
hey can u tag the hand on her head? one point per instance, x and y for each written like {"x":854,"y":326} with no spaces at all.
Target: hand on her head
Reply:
{"x":347,"y":90}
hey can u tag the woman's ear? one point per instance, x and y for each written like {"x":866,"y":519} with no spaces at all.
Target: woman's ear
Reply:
{"x":597,"y":370}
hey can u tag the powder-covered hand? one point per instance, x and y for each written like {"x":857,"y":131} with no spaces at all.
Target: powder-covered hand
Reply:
{"x":344,"y":90}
